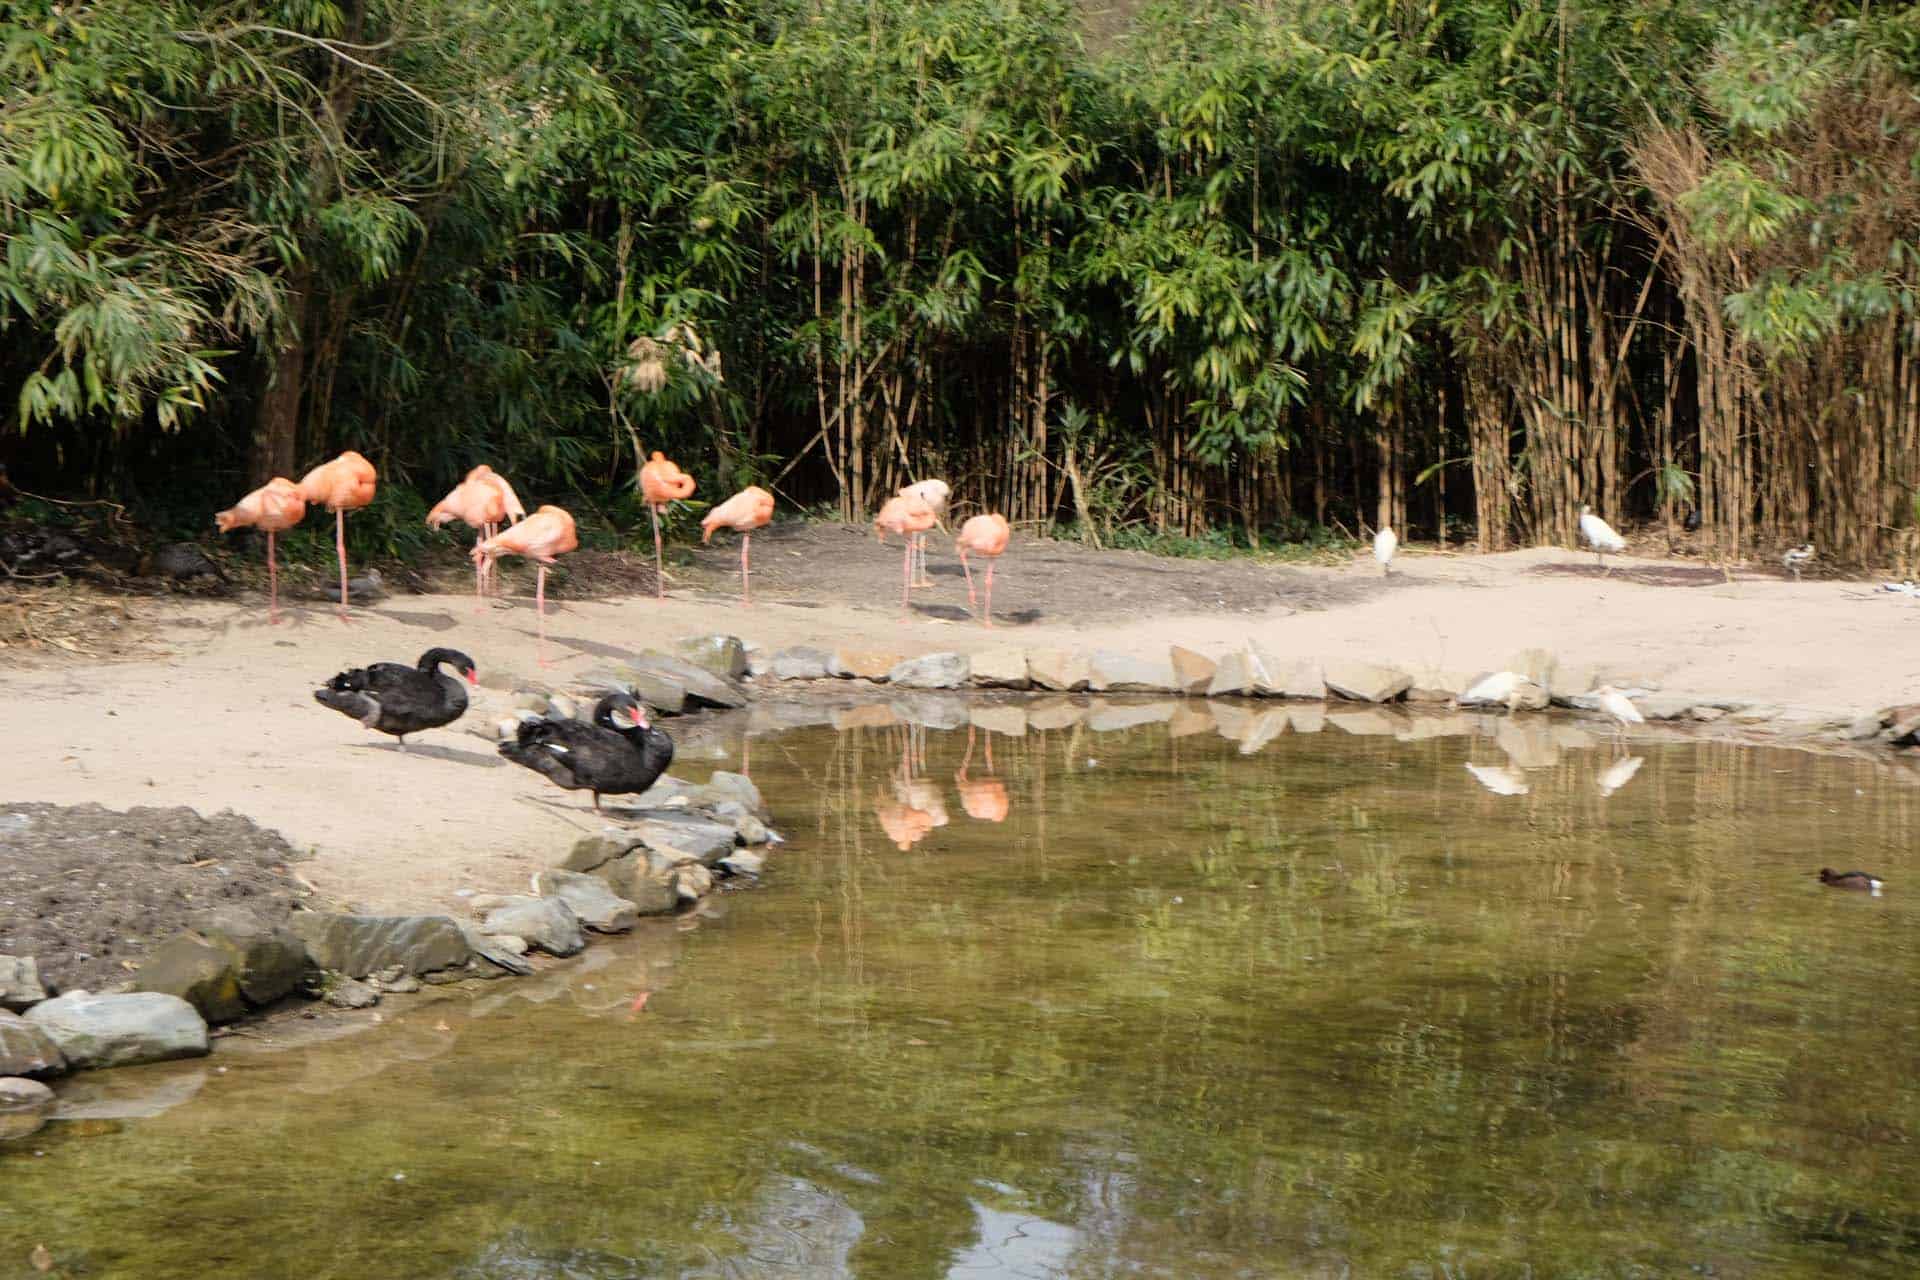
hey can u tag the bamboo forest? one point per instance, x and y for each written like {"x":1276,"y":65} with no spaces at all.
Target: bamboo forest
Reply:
{"x":1241,"y":273}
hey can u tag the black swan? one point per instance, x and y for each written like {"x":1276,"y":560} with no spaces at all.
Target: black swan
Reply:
{"x":620,"y":753}
{"x":1859,"y":880}
{"x":401,"y":700}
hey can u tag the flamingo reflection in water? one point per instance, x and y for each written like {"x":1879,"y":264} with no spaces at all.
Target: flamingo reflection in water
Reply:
{"x":982,"y":798}
{"x":910,"y":806}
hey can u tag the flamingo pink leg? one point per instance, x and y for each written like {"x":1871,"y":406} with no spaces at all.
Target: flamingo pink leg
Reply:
{"x":479,"y":574}
{"x":659,"y":577}
{"x":273,"y":584}
{"x":906,"y":577}
{"x":972,"y":599}
{"x":340,"y":544}
{"x":746,"y":587}
{"x":989,"y":613}
{"x":540,"y":614}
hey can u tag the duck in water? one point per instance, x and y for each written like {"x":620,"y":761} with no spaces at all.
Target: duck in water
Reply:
{"x":391,"y":698}
{"x":1859,"y":881}
{"x":620,"y":753}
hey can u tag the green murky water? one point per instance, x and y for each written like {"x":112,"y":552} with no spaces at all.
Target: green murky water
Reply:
{"x":1129,"y":1003}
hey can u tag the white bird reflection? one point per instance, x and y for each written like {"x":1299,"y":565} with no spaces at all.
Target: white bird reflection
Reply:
{"x":1501,"y":779}
{"x":1619,"y":774}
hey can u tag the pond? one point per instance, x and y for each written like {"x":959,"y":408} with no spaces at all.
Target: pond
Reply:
{"x":1205,"y":997}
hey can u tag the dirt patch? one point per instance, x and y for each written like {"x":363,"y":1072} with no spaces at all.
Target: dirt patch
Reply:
{"x":89,"y":892}
{"x":1645,"y":575}
{"x":1037,"y":581}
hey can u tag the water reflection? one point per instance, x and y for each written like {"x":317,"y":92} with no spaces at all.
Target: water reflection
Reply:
{"x":1321,"y":1008}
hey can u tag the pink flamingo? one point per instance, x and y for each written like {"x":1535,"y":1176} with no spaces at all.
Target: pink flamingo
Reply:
{"x":345,"y":484}
{"x":984,"y":536}
{"x":275,"y":507}
{"x":481,"y":506}
{"x":909,"y":515}
{"x":662,"y":482}
{"x":547,"y":533}
{"x":935,"y":494}
{"x":745,"y":511}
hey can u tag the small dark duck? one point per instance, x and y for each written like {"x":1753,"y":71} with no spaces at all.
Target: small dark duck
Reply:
{"x":1858,"y":881}
{"x":399,"y":700}
{"x":620,"y":753}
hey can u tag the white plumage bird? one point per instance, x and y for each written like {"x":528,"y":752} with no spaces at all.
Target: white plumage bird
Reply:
{"x":1599,"y":535}
{"x":1797,"y":558}
{"x":1618,"y":707}
{"x":1497,"y":687}
{"x":1385,"y":543}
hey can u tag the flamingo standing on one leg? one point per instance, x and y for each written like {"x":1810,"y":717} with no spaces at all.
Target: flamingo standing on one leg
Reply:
{"x":547,"y":533}
{"x":984,"y":536}
{"x":662,"y":482}
{"x":745,"y":511}
{"x":275,"y":506}
{"x":908,"y":515}
{"x":480,"y":505}
{"x":935,"y":494}
{"x":345,"y":484}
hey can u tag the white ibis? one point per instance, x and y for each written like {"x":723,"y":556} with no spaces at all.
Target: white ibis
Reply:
{"x":1385,"y":543}
{"x":1600,"y":535}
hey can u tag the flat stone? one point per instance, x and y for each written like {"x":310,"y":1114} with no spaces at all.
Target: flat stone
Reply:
{"x":749,"y":830}
{"x":743,"y":862}
{"x":660,"y":692}
{"x":1528,"y":696}
{"x":1367,"y":681}
{"x":351,"y":993}
{"x":702,"y":686}
{"x":931,"y":671}
{"x":1303,"y":679}
{"x":1009,"y":720}
{"x":1666,"y":706}
{"x":692,"y":882}
{"x":20,"y":983}
{"x":726,"y":785}
{"x":1867,"y":726}
{"x":204,"y":975}
{"x":1243,"y":671}
{"x":862,"y":664}
{"x":598,"y":907}
{"x":1109,"y":671}
{"x":630,"y":877}
{"x":1116,"y":716}
{"x":121,"y":1029}
{"x":1537,"y":665}
{"x":1755,"y":714}
{"x":591,"y":852}
{"x":360,"y":945}
{"x":547,"y":923}
{"x":1571,"y":679}
{"x":801,"y":662}
{"x":1434,"y":684}
{"x":868,"y":715}
{"x":497,"y":955}
{"x":699,"y":838}
{"x":724,"y":656}
{"x":26,"y":1050}
{"x":1192,"y":672}
{"x":1001,"y":668}
{"x":1705,"y":714}
{"x":1061,"y":670}
{"x":24,"y":1107}
{"x":757,"y":660}
{"x":269,"y":960}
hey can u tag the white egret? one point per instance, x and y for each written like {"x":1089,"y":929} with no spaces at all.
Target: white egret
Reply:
{"x":1618,"y":707}
{"x":1501,"y":779}
{"x":1619,"y":774}
{"x":1497,"y":687}
{"x":1385,"y":543}
{"x":1600,"y":535}
{"x":1797,"y":558}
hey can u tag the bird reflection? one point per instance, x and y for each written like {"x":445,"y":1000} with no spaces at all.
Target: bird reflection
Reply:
{"x":982,"y":798}
{"x":910,"y":807}
{"x":1619,"y":774}
{"x":1501,"y":779}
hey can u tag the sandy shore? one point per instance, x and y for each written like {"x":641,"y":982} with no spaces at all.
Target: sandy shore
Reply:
{"x":222,"y":716}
